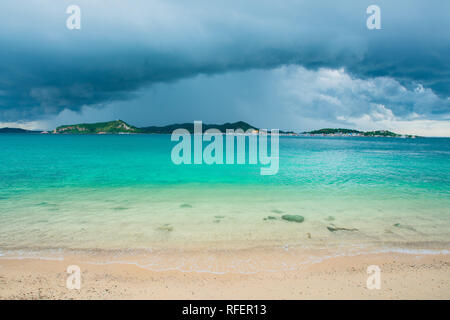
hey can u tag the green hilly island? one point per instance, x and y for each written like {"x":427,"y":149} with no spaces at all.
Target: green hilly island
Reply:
{"x":117,"y":126}
{"x":352,"y":132}
{"x":121,"y":127}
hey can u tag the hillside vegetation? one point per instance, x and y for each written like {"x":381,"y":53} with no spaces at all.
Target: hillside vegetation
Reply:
{"x":117,"y":126}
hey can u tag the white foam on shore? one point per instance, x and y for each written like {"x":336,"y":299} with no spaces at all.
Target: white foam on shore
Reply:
{"x":311,"y":260}
{"x":414,"y":251}
{"x":240,"y":267}
{"x":32,"y":258}
{"x":22,"y":255}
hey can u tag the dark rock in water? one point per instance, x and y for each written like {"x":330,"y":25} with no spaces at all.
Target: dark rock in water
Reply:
{"x":270,"y":218}
{"x":330,"y":218}
{"x":309,"y":235}
{"x":276,"y":211}
{"x":216,"y":221}
{"x":333,"y":228}
{"x":47,"y":204}
{"x":404,"y":226}
{"x":185,"y":205}
{"x":219,"y":217}
{"x":120,"y":208}
{"x":293,"y":218}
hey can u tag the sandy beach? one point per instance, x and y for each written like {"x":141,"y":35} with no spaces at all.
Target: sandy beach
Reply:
{"x":403,"y":276}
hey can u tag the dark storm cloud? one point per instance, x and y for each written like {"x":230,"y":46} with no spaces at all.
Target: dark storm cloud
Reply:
{"x":126,"y":45}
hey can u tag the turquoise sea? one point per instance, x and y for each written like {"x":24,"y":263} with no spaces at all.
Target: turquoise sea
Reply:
{"x":122,"y":193}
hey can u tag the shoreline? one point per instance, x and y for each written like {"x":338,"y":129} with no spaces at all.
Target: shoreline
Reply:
{"x":223,"y":258}
{"x":403,"y":276}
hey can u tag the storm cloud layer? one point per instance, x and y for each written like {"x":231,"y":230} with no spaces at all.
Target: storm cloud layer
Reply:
{"x":125,"y":47}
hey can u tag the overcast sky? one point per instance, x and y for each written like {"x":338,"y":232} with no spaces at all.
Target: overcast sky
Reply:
{"x":296,"y":65}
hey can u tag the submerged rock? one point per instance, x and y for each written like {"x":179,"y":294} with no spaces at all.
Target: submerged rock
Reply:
{"x":185,"y":205}
{"x":120,"y":208}
{"x":166,"y":227}
{"x":276,"y":211}
{"x":333,"y":228}
{"x":293,"y":218}
{"x":404,"y":226}
{"x":270,"y":218}
{"x":309,"y":235}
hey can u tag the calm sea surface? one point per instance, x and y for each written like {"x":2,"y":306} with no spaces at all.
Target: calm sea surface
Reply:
{"x":122,"y":192}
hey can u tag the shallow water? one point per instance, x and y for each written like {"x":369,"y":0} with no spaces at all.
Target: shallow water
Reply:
{"x":123,"y":193}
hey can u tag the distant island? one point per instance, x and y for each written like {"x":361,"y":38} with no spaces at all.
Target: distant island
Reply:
{"x":17,"y":130}
{"x":121,"y":127}
{"x":355,"y":133}
{"x":111,"y":127}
